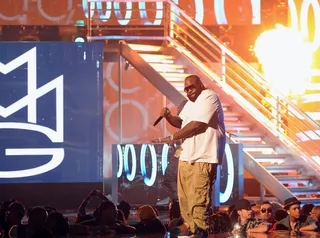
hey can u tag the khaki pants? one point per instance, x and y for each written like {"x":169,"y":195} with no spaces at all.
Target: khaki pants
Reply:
{"x":194,"y":192}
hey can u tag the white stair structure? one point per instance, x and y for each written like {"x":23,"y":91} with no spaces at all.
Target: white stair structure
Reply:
{"x":281,"y":150}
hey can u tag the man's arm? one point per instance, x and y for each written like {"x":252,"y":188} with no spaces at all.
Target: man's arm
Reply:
{"x":191,"y":129}
{"x":82,"y":208}
{"x":84,"y":203}
{"x":174,"y":121}
{"x":310,"y":227}
{"x":260,"y":229}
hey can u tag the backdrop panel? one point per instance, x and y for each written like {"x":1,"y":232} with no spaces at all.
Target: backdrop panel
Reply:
{"x":50,"y":112}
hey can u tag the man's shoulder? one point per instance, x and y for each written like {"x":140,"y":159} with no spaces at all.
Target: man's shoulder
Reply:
{"x":208,"y":95}
{"x":209,"y":92}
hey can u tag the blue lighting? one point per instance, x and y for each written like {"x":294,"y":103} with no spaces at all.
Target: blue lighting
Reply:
{"x":119,"y":15}
{"x":97,"y":6}
{"x":148,"y":181}
{"x":164,"y":158}
{"x":144,"y":14}
{"x":124,"y":157}
{"x":256,"y":11}
{"x":79,"y":39}
{"x":220,"y":12}
{"x":130,"y":176}
{"x":120,"y":159}
{"x":176,"y":12}
{"x":230,"y":181}
{"x":199,"y":11}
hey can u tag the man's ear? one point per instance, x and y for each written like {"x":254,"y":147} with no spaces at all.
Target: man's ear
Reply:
{"x":288,"y":212}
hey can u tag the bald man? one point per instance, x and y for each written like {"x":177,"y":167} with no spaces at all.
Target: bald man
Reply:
{"x":202,"y":130}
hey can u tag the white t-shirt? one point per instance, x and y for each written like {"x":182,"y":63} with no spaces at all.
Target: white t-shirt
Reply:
{"x":204,"y":147}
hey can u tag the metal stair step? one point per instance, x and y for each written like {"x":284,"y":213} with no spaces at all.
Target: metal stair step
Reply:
{"x":247,"y":134}
{"x":177,"y":84}
{"x":231,"y":119}
{"x":294,"y":179}
{"x":177,"y":77}
{"x":272,"y":156}
{"x":282,"y":168}
{"x":168,"y":68}
{"x":159,"y":56}
{"x":305,"y":189}
{"x":145,"y":48}
{"x":259,"y":145}
{"x":246,"y":137}
{"x":266,"y":148}
{"x":232,"y":114}
{"x":163,"y":70}
{"x":241,"y":126}
{"x":224,"y":104}
{"x":154,"y":58}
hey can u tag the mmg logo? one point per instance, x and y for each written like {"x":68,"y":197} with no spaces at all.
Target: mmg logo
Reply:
{"x":30,"y":101}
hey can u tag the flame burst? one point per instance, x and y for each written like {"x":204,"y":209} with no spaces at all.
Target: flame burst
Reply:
{"x":286,"y":59}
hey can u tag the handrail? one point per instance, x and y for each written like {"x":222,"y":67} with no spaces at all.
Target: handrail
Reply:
{"x":241,"y":81}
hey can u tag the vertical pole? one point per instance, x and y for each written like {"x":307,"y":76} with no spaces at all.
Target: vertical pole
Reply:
{"x":262,"y":192}
{"x":165,"y":23}
{"x":278,"y":114}
{"x":171,"y":19}
{"x":89,"y":19}
{"x":223,"y":65}
{"x":120,"y":95}
{"x":164,"y":122}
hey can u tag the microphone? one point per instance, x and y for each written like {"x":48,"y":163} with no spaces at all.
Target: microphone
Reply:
{"x":157,"y":121}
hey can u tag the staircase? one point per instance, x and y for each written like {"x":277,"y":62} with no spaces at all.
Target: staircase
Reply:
{"x":241,"y":130}
{"x":278,"y":137}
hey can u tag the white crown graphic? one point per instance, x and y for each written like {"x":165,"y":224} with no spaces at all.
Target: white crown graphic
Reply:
{"x":30,"y":101}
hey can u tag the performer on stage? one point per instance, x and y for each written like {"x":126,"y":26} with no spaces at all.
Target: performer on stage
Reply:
{"x":203,"y":131}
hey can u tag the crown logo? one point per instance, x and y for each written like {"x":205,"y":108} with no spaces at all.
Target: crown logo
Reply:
{"x":30,"y":101}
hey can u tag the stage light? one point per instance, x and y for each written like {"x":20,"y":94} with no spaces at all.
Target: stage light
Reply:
{"x":80,"y":34}
{"x":79,"y":39}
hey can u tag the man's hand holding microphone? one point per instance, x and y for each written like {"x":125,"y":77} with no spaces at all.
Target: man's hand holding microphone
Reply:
{"x":164,"y":113}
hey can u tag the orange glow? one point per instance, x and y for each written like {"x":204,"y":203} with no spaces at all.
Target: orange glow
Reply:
{"x":151,"y":58}
{"x":149,"y":48}
{"x":286,"y":59}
